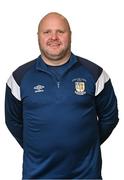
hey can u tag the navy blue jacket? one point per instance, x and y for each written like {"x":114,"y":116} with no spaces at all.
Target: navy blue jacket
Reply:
{"x":61,"y":121}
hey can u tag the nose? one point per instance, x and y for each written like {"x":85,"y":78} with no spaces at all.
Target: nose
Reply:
{"x":54,"y":36}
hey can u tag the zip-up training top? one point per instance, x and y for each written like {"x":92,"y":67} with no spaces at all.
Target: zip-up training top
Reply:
{"x":61,"y":121}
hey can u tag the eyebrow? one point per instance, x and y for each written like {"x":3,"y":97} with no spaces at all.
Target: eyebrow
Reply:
{"x":59,"y":29}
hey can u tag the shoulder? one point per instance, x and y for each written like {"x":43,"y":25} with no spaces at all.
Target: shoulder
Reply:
{"x":100,"y":76}
{"x":19,"y":73}
{"x":16,"y":77}
{"x":94,"y":69}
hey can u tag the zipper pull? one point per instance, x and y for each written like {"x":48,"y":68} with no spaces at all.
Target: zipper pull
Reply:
{"x":58,"y":84}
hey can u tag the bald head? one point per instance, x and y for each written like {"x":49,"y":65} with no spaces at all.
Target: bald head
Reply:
{"x":51,"y":17}
{"x":54,"y":37}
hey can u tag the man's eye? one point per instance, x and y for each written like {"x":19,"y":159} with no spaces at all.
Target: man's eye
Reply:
{"x":46,"y":32}
{"x":61,"y":32}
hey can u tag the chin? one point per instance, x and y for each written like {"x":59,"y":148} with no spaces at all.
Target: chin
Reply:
{"x":54,"y":57}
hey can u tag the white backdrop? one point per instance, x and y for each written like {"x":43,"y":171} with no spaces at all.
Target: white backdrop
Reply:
{"x":97,"y":34}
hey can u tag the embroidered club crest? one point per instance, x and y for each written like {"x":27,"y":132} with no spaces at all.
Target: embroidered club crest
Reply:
{"x":80,"y":88}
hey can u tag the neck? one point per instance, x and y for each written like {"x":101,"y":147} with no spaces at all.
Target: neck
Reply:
{"x":59,"y":62}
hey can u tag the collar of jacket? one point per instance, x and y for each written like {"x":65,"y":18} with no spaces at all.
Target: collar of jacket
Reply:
{"x":41,"y":66}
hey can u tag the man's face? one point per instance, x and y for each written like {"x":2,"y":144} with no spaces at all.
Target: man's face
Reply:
{"x":54,"y":37}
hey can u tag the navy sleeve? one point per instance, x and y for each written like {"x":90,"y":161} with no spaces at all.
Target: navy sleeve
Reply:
{"x":107,"y":111}
{"x":13,"y":115}
{"x":13,"y":102}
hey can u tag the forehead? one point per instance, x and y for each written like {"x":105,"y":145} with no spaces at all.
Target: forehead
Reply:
{"x":53,"y":22}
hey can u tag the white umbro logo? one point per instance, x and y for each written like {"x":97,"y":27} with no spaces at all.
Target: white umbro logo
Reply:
{"x":39,"y":88}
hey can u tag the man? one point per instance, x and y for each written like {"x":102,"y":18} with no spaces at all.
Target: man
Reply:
{"x":60,"y":108}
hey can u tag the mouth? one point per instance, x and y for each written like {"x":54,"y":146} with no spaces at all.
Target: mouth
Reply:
{"x":53,"y":44}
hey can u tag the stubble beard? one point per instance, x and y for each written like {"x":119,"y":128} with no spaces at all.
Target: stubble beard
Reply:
{"x":65,"y":52}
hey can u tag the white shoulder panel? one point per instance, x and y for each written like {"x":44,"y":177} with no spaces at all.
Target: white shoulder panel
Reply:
{"x":101,"y":82}
{"x":15,"y":89}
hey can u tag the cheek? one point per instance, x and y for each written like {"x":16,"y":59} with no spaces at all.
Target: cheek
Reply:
{"x":43,"y":40}
{"x":66,"y":38}
{"x":43,"y":43}
{"x":66,"y":41}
